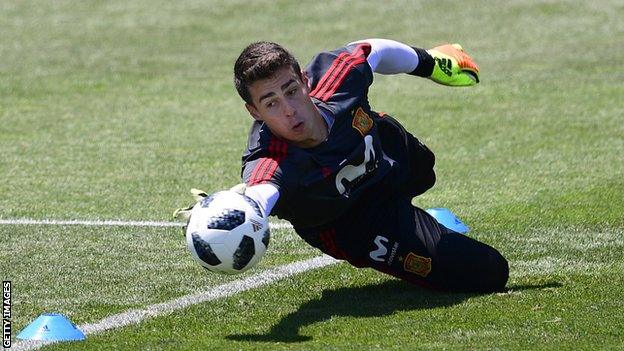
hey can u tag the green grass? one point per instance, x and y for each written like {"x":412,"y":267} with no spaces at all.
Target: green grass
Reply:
{"x":113,"y":110}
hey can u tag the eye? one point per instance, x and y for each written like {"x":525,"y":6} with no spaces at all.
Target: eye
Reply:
{"x":292,"y":92}
{"x":270,"y":104}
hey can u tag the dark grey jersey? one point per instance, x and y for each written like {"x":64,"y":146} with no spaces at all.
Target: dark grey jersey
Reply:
{"x":318,"y":185}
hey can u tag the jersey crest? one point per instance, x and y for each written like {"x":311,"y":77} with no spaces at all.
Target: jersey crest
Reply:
{"x":417,"y":264}
{"x":362,"y":121}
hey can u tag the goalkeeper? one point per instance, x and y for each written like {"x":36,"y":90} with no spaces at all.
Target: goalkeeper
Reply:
{"x":343,"y":174}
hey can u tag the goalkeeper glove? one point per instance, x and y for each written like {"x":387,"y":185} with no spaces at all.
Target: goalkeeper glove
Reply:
{"x":185,"y":212}
{"x":239,"y":188}
{"x":453,"y":66}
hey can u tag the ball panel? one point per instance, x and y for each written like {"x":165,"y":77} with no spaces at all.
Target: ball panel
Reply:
{"x":228,"y":219}
{"x":266,"y":237}
{"x":253,"y":204}
{"x":204,"y":250}
{"x":244,"y":253}
{"x":205,"y":202}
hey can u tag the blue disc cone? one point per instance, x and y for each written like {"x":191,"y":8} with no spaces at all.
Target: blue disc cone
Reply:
{"x":51,"y":327}
{"x":445,"y":217}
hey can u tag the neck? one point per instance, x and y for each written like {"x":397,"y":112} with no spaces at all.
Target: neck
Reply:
{"x":319,"y":134}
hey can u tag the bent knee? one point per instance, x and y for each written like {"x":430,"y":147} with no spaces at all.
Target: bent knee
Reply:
{"x":498,"y":273}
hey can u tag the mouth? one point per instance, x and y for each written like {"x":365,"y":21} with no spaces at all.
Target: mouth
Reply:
{"x":297,"y":126}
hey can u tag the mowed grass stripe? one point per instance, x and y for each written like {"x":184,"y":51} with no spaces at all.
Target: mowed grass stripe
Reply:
{"x":137,"y":315}
{"x":111,"y":223}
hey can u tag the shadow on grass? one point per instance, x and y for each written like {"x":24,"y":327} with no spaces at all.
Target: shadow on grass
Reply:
{"x":542,"y":286}
{"x":367,"y":301}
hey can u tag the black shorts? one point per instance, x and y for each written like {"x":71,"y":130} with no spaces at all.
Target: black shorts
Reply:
{"x":404,"y":241}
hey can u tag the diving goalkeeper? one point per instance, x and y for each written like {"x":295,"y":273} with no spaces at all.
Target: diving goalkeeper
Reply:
{"x":343,"y":174}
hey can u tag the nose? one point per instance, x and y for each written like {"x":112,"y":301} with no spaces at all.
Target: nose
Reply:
{"x":289,"y":110}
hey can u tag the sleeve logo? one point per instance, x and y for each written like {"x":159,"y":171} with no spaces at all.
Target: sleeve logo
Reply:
{"x":361,"y":121}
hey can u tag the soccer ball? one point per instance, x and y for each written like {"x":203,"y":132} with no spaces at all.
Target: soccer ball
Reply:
{"x":227,"y":233}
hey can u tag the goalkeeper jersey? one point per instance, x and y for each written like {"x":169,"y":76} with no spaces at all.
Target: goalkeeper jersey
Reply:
{"x":318,"y":185}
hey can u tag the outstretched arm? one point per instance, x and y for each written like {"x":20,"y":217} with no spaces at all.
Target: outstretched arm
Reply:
{"x":265,"y":195}
{"x":445,"y":64}
{"x":391,"y":57}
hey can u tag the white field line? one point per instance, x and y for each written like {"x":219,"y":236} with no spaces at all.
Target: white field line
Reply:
{"x":136,"y":316}
{"x":107,"y":223}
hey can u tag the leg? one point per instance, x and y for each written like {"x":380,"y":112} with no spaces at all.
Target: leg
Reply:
{"x":462,"y":263}
{"x":421,"y":251}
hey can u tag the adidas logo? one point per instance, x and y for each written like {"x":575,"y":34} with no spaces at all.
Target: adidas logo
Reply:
{"x":445,"y":65}
{"x":256,"y":226}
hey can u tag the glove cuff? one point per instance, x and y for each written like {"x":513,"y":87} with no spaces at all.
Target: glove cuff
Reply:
{"x":425,"y":64}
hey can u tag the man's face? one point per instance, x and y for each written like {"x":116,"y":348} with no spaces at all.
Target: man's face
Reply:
{"x":282,"y":102}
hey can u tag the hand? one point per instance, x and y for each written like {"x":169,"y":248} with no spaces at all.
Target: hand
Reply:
{"x":239,"y":188}
{"x":453,"y":67}
{"x":185,"y":212}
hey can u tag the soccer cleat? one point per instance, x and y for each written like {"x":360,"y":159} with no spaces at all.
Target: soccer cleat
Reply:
{"x":453,"y":67}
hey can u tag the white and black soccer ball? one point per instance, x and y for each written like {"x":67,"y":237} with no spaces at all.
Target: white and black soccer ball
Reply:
{"x":227,"y":233}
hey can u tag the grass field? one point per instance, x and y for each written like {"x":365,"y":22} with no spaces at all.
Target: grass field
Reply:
{"x":114,"y":110}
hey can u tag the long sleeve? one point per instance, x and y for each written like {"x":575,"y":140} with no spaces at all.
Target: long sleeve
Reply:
{"x":266,"y":195}
{"x":390,"y":57}
{"x":393,"y":57}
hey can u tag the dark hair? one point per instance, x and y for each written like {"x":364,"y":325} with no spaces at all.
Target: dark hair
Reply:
{"x":259,"y":61}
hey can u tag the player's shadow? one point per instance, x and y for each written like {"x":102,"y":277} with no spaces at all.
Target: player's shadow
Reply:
{"x":367,"y":301}
{"x":542,"y":286}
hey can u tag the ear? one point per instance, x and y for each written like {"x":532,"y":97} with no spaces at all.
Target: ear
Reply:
{"x":253,"y":112}
{"x":305,"y":79}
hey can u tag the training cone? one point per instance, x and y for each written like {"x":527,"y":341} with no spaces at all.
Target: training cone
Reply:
{"x":51,"y":327}
{"x":445,"y":217}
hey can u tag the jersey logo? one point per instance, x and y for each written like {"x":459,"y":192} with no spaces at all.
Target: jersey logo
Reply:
{"x":417,"y":264}
{"x":349,"y":173}
{"x":361,"y":121}
{"x":382,"y":250}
